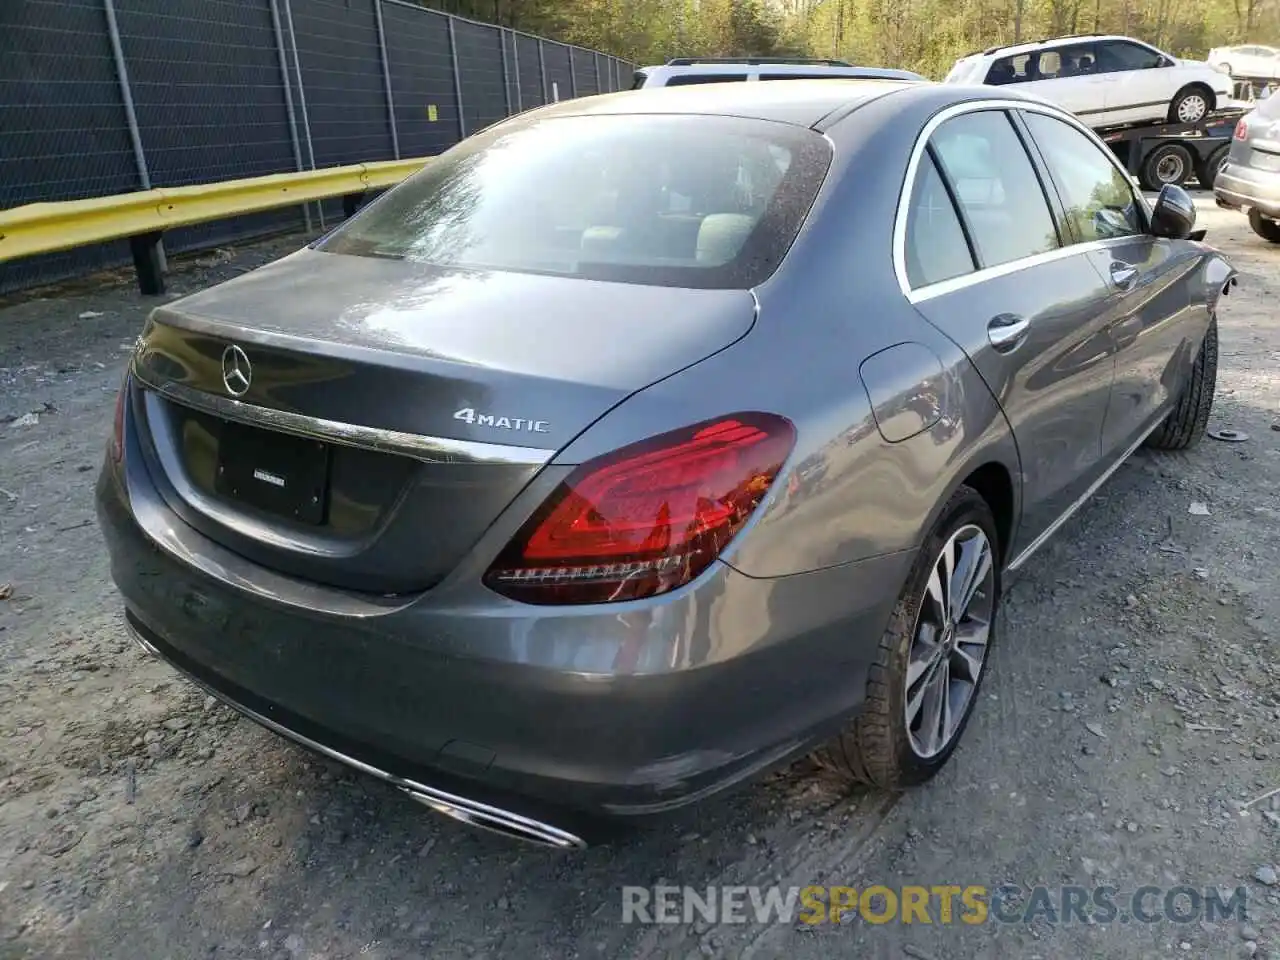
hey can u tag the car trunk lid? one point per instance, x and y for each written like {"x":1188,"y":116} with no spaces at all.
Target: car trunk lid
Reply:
{"x":361,"y":421}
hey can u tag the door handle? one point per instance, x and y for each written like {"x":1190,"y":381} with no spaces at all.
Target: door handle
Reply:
{"x":1123,"y":275}
{"x":1126,"y":330}
{"x":1006,"y":331}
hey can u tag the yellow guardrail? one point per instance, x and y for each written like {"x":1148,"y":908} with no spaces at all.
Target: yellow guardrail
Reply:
{"x":49,"y":227}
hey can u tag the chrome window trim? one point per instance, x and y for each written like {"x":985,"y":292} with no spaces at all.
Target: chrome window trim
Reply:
{"x":930,"y":290}
{"x":419,"y":447}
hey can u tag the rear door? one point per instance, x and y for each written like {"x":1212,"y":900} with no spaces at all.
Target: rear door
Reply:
{"x":1068,"y":76}
{"x":1154,"y":310}
{"x":984,"y":262}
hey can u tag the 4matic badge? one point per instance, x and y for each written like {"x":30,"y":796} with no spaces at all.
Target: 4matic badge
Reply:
{"x":469,"y":415}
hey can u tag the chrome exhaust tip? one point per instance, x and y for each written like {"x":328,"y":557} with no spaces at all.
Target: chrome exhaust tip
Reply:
{"x":484,"y":817}
{"x":142,"y":641}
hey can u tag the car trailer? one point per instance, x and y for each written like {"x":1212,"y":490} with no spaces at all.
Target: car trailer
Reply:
{"x":1162,"y":153}
{"x":1253,"y":89}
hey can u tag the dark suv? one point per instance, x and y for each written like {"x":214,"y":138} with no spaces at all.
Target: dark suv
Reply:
{"x":683,"y":71}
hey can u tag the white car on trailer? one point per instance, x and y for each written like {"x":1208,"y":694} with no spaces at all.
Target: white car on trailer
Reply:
{"x":1105,"y":80}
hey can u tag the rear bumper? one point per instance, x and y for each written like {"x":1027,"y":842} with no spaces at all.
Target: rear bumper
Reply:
{"x":472,"y":703}
{"x":469,"y":810}
{"x":1245,"y":188}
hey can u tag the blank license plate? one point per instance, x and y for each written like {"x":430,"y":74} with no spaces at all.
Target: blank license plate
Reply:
{"x":274,"y":472}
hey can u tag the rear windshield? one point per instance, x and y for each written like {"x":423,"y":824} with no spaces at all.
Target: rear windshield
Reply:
{"x":696,"y":201}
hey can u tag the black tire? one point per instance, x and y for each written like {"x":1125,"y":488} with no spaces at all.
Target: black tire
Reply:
{"x":1208,"y":171}
{"x":1170,"y":163}
{"x":1266,"y":229}
{"x":1187,"y":95}
{"x":1184,"y":427}
{"x":876,"y":747}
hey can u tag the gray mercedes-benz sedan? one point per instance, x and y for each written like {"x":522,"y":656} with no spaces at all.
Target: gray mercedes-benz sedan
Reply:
{"x":644,"y":442}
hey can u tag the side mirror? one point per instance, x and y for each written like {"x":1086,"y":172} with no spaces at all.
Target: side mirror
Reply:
{"x":1174,"y":214}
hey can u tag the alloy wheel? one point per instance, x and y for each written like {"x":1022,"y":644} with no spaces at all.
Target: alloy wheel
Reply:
{"x":1192,"y":108}
{"x":949,"y":645}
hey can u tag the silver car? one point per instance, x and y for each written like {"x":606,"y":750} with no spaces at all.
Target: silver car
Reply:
{"x":1249,"y":179}
{"x":642,"y":443}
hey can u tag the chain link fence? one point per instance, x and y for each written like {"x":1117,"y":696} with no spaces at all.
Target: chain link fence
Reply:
{"x":108,"y":96}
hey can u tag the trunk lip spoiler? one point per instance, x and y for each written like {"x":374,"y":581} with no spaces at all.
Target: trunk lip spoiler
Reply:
{"x":417,"y":446}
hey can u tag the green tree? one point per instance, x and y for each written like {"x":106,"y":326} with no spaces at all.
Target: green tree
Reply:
{"x":922,"y":35}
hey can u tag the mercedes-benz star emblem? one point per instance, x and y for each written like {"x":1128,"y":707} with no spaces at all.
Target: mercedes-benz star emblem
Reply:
{"x":237,"y":371}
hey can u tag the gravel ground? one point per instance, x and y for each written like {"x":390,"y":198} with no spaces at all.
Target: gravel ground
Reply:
{"x":1133,"y":708}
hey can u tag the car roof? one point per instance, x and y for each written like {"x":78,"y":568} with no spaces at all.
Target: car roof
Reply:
{"x":804,"y":69}
{"x":801,"y":102}
{"x":1031,"y":45}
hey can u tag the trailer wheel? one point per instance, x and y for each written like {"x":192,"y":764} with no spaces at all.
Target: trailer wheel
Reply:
{"x":1266,"y":229}
{"x":1170,"y":163}
{"x":1208,"y":171}
{"x":1191,"y":104}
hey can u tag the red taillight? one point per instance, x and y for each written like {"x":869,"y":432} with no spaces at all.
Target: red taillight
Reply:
{"x":117,"y":429}
{"x":1242,"y":130}
{"x":647,"y":518}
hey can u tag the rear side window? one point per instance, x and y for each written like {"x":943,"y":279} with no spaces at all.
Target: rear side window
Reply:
{"x":688,"y":79}
{"x":999,"y":193}
{"x":1010,"y":70}
{"x":1073,"y":61}
{"x":809,"y":76}
{"x":936,"y":246}
{"x":696,"y":201}
{"x":1098,"y":199}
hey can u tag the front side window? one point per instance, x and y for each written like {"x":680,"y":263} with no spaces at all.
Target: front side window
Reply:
{"x":711,"y":202}
{"x":1116,"y":56}
{"x":1098,"y":198}
{"x":999,"y":194}
{"x":936,"y":246}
